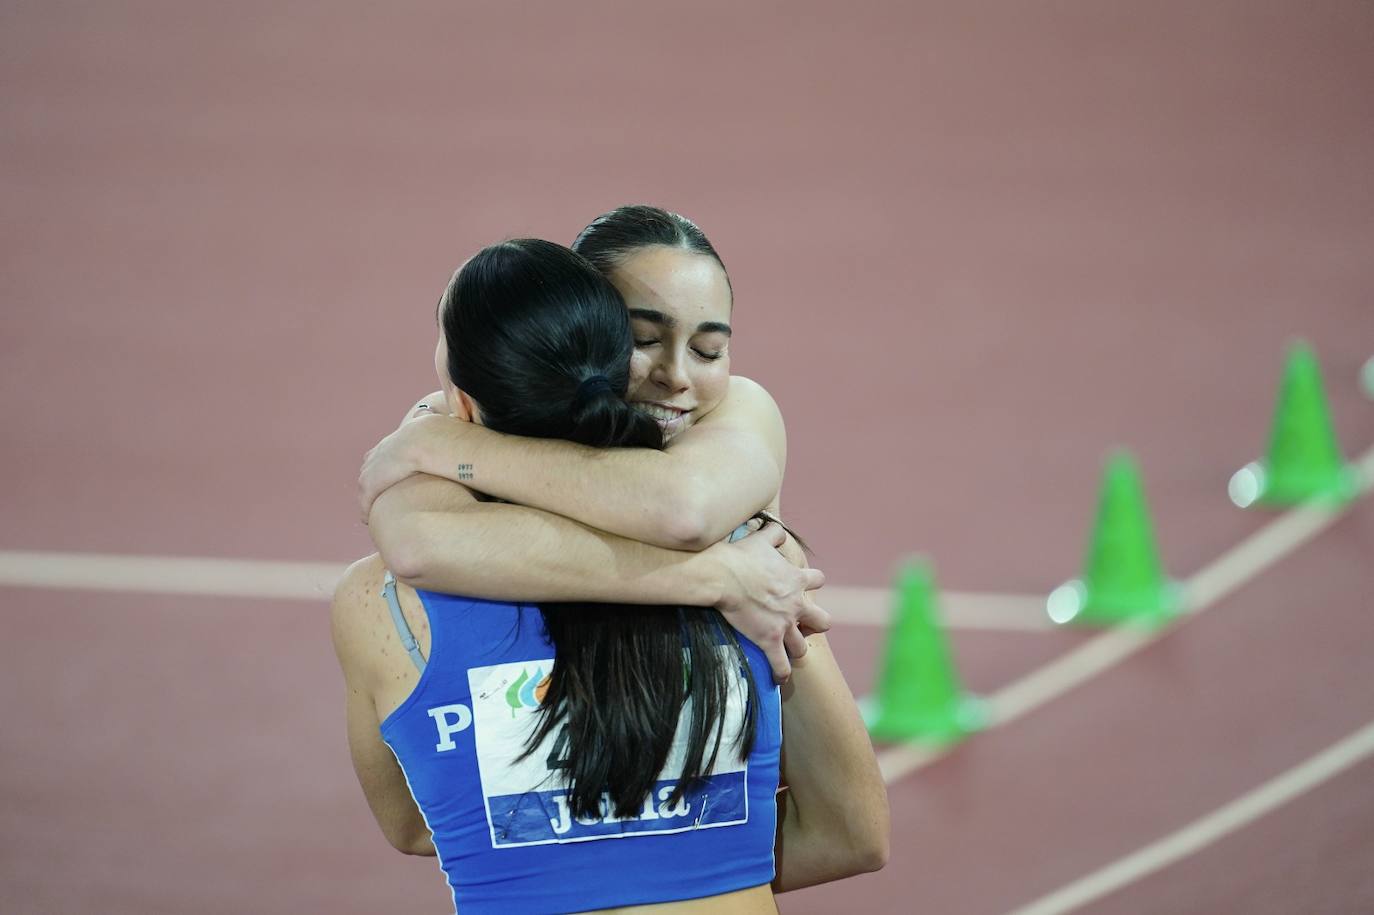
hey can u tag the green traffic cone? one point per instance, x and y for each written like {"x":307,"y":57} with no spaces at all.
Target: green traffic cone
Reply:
{"x":919,"y":697}
{"x":1122,"y":578}
{"x":1304,"y":460}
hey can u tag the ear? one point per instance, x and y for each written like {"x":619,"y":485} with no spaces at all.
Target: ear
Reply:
{"x":465,"y":408}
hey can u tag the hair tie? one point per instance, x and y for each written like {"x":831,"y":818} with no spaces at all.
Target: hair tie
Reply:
{"x":590,"y":387}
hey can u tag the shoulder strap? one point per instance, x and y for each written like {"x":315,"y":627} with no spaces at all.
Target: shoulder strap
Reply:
{"x":399,"y":618}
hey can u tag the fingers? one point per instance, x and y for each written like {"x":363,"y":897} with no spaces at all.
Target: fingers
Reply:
{"x":814,"y":617}
{"x":365,"y":500}
{"x":774,"y":534}
{"x":813,"y":579}
{"x":777,"y":659}
{"x":795,"y":643}
{"x":367,"y":493}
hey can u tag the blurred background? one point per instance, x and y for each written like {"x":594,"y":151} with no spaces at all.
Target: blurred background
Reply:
{"x":974,"y":246}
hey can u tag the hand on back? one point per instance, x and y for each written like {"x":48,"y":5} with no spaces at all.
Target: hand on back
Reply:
{"x":768,"y":599}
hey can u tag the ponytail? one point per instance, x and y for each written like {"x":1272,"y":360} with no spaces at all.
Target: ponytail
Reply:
{"x":603,"y":419}
{"x":622,"y":676}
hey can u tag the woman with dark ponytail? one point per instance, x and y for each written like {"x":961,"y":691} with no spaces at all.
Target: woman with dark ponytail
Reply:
{"x":723,"y":464}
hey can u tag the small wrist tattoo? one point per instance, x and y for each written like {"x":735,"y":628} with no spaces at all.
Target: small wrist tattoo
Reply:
{"x":464,"y":471}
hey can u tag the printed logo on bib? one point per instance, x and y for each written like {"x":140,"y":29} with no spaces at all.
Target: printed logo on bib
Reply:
{"x":527,"y":800}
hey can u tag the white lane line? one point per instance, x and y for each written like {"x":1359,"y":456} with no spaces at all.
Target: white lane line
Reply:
{"x":315,"y":581}
{"x":960,"y":609}
{"x":1263,"y":548}
{"x":1216,"y":825}
{"x":170,"y":575}
{"x":1225,"y":574}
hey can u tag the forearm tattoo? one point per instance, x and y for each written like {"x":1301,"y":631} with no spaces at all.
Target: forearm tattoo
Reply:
{"x":464,"y":472}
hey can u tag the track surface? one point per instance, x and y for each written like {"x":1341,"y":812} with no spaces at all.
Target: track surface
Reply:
{"x":971,"y":252}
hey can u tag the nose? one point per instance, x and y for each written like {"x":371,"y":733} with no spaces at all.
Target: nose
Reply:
{"x":668,"y":374}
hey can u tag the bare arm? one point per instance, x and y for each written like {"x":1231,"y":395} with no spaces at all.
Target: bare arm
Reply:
{"x":379,"y":774}
{"x":434,"y":534}
{"x":832,"y":816}
{"x":717,"y":473}
{"x":832,"y":813}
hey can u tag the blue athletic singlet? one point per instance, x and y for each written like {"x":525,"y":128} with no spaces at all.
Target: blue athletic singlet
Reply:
{"x":502,"y":829}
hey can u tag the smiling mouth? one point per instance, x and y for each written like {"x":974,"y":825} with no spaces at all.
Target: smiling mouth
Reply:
{"x":662,"y":414}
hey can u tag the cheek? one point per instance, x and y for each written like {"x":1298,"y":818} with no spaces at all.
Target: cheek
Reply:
{"x":712,"y":381}
{"x":640,"y":364}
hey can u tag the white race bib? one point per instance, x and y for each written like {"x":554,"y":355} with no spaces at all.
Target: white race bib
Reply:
{"x":527,"y":800}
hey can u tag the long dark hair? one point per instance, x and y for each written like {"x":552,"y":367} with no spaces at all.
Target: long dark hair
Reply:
{"x":612,"y":237}
{"x":540,"y":340}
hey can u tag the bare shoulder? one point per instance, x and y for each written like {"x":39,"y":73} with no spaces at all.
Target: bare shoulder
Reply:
{"x":747,"y":403}
{"x":748,"y":410}
{"x":350,"y":612}
{"x":358,"y":579}
{"x":748,"y":391}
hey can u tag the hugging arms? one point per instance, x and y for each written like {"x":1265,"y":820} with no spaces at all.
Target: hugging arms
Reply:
{"x":434,"y":533}
{"x":648,"y":528}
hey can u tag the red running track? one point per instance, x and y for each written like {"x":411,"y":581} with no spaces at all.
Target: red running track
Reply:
{"x":972,"y":249}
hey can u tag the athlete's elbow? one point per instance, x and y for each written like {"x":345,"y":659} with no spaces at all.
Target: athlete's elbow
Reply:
{"x":423,"y":848}
{"x":404,"y":549}
{"x":420,"y":846}
{"x":686,"y":533}
{"x":411,"y":839}
{"x":406,"y":564}
{"x":685,"y":520}
{"x":872,"y":854}
{"x":870,"y":840}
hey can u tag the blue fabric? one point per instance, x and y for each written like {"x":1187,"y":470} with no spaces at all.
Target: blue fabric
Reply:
{"x":501,"y":826}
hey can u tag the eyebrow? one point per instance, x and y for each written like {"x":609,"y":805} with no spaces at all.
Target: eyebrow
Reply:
{"x":658,"y":317}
